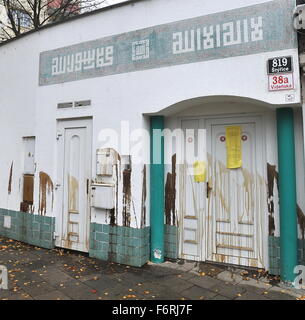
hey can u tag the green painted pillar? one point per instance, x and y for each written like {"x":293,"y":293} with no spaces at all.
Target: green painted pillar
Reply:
{"x":287,"y":193}
{"x":157,"y":189}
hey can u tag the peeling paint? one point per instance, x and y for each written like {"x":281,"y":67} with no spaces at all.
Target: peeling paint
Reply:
{"x":9,"y":188}
{"x":45,"y":187}
{"x":170,"y":194}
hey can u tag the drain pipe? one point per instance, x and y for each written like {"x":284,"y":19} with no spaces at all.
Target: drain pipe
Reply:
{"x":287,"y":193}
{"x":157,"y":189}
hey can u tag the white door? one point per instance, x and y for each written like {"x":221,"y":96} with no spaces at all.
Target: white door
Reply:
{"x":191,"y":192}
{"x":236,"y":200}
{"x":74,"y":173}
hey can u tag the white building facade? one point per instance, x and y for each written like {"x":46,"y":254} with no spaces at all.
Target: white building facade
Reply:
{"x":85,"y":167}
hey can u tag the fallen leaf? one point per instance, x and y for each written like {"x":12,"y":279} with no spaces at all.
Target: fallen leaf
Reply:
{"x":93,"y":291}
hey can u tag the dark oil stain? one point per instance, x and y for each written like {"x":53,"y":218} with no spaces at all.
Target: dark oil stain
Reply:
{"x":272,"y":177}
{"x":45,"y":187}
{"x":9,"y":188}
{"x":170,"y":194}
{"x":111,"y":246}
{"x":116,"y":191}
{"x":144,"y":195}
{"x":112,"y":217}
{"x":126,"y":196}
{"x":26,"y":207}
{"x":301,"y":220}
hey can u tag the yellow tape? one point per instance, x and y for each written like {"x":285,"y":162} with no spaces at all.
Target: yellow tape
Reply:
{"x":233,"y":143}
{"x":200,"y":171}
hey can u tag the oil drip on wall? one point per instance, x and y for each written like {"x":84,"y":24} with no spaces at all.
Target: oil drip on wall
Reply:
{"x":46,"y":190}
{"x":170,"y":194}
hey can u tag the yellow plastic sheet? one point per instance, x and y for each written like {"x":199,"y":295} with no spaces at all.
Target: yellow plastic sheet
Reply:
{"x":233,"y":143}
{"x":200,"y":171}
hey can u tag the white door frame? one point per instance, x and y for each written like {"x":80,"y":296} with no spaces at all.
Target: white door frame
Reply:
{"x":260,"y":120}
{"x":61,"y":125}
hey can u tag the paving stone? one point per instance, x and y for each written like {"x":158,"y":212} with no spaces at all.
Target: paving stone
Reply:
{"x":255,"y":290}
{"x":103,"y":283}
{"x":166,"y":294}
{"x":92,"y":276}
{"x":228,"y":276}
{"x":205,"y":281}
{"x":79,"y":291}
{"x":177,"y":283}
{"x":52,"y":295}
{"x":291,"y":291}
{"x":198,"y":293}
{"x":54,"y":276}
{"x":187,"y":266}
{"x":10,"y":295}
{"x":228,"y":291}
{"x":272,"y":295}
{"x":219,"y":297}
{"x":251,"y":296}
{"x":36,"y":289}
{"x":255,"y":283}
{"x":65,"y":274}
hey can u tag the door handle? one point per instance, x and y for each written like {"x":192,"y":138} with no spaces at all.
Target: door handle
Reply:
{"x":87,"y":186}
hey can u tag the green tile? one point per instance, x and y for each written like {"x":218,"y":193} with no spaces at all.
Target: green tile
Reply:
{"x":105,"y":228}
{"x":102,"y":237}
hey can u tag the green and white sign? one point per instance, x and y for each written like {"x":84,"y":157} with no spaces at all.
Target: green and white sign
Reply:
{"x":244,"y":31}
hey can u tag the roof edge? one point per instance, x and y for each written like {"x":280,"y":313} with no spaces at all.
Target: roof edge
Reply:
{"x":83,"y":15}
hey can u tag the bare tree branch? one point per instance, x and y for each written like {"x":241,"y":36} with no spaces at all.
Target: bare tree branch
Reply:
{"x":24,"y":15}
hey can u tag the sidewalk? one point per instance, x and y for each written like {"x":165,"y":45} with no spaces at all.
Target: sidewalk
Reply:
{"x":41,"y":274}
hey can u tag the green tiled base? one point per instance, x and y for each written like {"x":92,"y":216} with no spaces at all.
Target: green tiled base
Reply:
{"x":171,"y":241}
{"x":274,"y":254}
{"x":27,"y":227}
{"x":119,"y":244}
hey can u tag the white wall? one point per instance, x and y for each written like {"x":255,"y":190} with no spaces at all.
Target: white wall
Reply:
{"x":27,"y":109}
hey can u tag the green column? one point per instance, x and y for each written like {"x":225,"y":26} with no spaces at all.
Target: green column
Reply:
{"x":157,"y":189}
{"x":287,"y":193}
